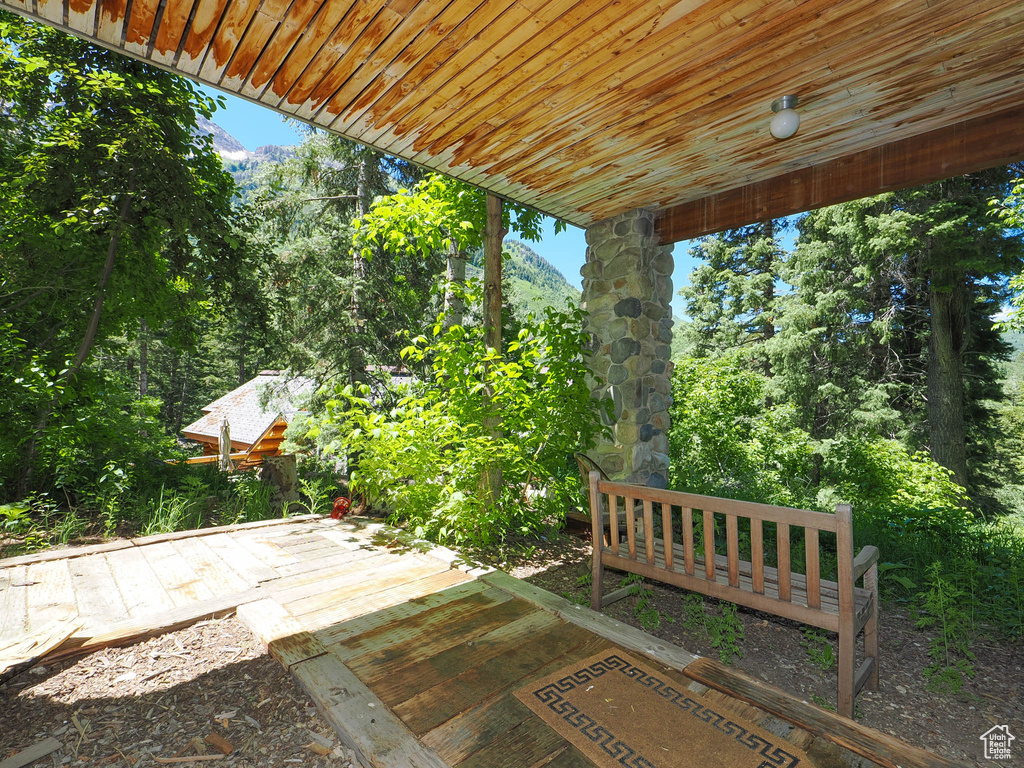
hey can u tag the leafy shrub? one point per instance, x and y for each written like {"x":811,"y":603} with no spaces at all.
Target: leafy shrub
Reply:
{"x":725,"y":442}
{"x":725,"y":632}
{"x":424,"y":460}
{"x":885,"y":481}
{"x":729,"y":440}
{"x":318,"y":492}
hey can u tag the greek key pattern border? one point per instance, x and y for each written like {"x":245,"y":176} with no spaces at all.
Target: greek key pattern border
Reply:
{"x":553,"y":697}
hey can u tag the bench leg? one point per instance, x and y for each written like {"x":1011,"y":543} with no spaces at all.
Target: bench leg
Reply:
{"x":597,"y":518}
{"x":847,"y":671}
{"x":596,"y":575}
{"x":871,"y":651}
{"x":871,"y":628}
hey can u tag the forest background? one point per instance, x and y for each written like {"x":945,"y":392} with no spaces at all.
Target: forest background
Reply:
{"x":138,"y":282}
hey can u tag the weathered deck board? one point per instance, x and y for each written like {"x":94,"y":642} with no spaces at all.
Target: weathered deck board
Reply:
{"x":440,"y":667}
{"x":386,"y":598}
{"x":264,"y":548}
{"x":304,"y":546}
{"x":524,"y":746}
{"x":140,"y":589}
{"x":342,"y":538}
{"x":390,"y":620}
{"x":14,"y":608}
{"x":361,"y":719}
{"x":388,"y":574}
{"x":431,"y":657}
{"x":430,"y":708}
{"x":182,"y":583}
{"x":346,"y":570}
{"x":96,"y":592}
{"x":210,"y":567}
{"x":284,"y":636}
{"x":397,"y":632}
{"x":313,"y":562}
{"x":53,"y":598}
{"x":470,"y":731}
{"x":461,"y":727}
{"x":240,"y":559}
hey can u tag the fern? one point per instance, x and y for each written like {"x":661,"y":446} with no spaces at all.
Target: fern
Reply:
{"x":943,"y":609}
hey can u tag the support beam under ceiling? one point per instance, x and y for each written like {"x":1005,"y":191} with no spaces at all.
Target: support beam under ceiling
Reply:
{"x":964,"y":147}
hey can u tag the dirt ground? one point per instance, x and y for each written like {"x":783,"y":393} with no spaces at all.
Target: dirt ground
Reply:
{"x":772,"y":650}
{"x":132,"y":707}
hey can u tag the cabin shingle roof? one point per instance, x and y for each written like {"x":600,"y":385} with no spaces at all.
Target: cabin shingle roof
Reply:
{"x":252,"y":408}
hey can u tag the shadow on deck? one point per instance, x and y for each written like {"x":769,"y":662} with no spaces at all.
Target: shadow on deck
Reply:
{"x":413,"y":658}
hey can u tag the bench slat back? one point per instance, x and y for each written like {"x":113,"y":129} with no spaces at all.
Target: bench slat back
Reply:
{"x":626,"y":505}
{"x":801,"y":517}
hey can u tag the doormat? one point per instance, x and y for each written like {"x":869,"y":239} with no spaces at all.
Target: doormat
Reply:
{"x":621,"y":714}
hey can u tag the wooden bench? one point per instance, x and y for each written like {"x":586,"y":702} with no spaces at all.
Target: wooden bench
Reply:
{"x":654,"y":551}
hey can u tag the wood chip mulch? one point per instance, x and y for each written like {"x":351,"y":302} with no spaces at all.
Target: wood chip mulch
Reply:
{"x":185,"y":698}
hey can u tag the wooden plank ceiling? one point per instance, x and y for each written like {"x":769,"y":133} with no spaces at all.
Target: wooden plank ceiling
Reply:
{"x":588,"y":108}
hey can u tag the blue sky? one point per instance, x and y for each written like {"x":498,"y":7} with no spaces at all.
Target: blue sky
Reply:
{"x":256,"y":126}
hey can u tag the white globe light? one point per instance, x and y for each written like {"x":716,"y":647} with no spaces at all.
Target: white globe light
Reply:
{"x":784,"y":123}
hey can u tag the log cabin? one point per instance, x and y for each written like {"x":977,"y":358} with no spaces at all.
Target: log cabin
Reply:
{"x":258,"y":413}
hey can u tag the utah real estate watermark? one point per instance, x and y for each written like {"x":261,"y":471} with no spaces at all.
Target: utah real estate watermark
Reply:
{"x":997,"y":742}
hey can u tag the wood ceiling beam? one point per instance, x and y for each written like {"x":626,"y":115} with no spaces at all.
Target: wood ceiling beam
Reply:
{"x":964,"y":147}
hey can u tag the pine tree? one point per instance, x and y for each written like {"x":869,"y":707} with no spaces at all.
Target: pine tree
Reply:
{"x":731,"y":298}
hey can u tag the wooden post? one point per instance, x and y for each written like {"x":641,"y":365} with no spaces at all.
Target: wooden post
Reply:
{"x":649,"y":530}
{"x":813,"y":565}
{"x":847,"y":635}
{"x":494,"y":233}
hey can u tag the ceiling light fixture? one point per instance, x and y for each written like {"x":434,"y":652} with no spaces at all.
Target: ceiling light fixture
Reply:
{"x":786,"y":120}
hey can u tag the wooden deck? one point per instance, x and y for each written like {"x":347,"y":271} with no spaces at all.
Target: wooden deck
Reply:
{"x":412,"y":657}
{"x":63,"y":602}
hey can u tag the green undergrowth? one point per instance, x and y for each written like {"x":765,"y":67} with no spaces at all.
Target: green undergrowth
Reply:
{"x":958,"y":570}
{"x":163,"y":499}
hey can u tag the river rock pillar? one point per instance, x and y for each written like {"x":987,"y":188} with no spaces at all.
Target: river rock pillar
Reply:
{"x":627,"y":290}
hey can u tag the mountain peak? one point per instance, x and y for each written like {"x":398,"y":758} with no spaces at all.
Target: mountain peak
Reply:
{"x":231,"y":150}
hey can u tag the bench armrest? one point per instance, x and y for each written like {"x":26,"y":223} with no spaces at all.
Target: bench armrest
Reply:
{"x":864,"y":560}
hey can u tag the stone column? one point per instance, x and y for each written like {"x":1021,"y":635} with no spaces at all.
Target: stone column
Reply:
{"x":627,"y":290}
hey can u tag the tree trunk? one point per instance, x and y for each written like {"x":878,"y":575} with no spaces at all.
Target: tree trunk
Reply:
{"x":101,"y":293}
{"x":242,"y":376}
{"x":494,"y":233}
{"x":32,"y":447}
{"x":768,"y":311}
{"x":360,"y":273}
{"x":171,"y":393}
{"x":946,"y":397}
{"x":454,"y":306}
{"x":143,"y":358}
{"x":184,"y":393}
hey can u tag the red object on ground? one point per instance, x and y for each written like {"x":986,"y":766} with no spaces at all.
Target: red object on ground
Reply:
{"x":340,"y":508}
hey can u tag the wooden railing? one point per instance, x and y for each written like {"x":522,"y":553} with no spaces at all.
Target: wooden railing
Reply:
{"x":675,"y":538}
